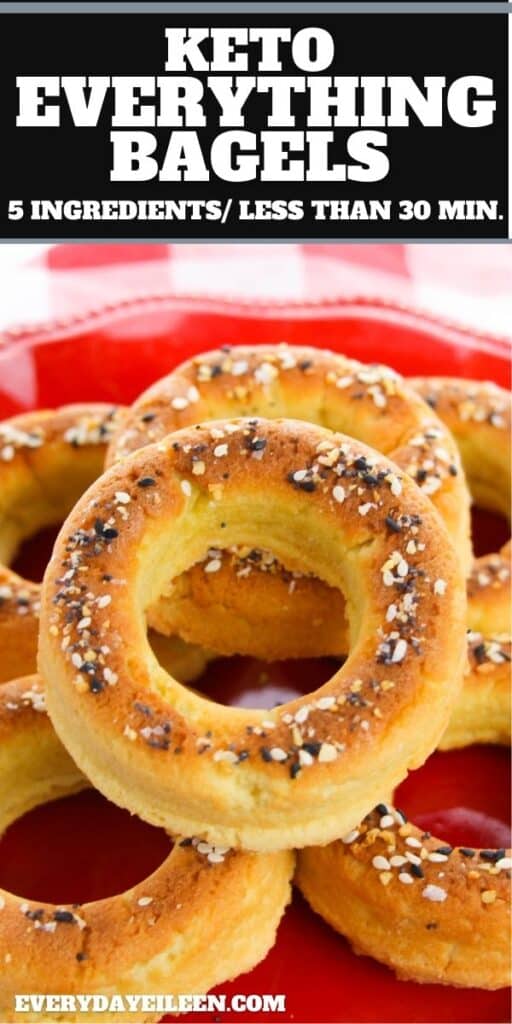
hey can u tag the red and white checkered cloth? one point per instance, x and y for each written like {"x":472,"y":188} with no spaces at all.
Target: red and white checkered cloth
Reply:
{"x":467,"y":285}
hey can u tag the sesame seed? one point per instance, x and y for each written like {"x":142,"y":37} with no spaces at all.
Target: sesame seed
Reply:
{"x":327,"y":753}
{"x":412,"y":841}
{"x":504,"y":863}
{"x":350,"y":837}
{"x":397,"y":861}
{"x":225,"y":755}
{"x":437,"y":858}
{"x":400,"y":651}
{"x":179,"y":403}
{"x":213,"y":566}
{"x":104,"y":601}
{"x":338,"y":494}
{"x":186,"y":487}
{"x":434,"y":893}
{"x":278,"y":754}
{"x":440,"y":587}
{"x":387,"y":821}
{"x":122,"y":498}
{"x":405,"y":878}
{"x":381,"y":863}
{"x":198,"y":467}
{"x":220,"y":451}
{"x":144,"y":901}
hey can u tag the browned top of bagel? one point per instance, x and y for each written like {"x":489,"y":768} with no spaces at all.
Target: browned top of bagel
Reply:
{"x":369,"y":402}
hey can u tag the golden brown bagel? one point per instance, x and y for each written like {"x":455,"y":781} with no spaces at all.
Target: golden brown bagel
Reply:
{"x":204,"y":916}
{"x":431,"y":912}
{"x":309,"y":769}
{"x":233,"y":614}
{"x":479,"y":416}
{"x":483,"y":709}
{"x":47,"y":460}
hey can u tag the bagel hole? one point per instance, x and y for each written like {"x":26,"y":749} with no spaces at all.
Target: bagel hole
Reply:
{"x":461,"y":796}
{"x":249,"y":683}
{"x":77,"y":849}
{"x":241,"y":681}
{"x":35,"y":553}
{"x":489,"y":531}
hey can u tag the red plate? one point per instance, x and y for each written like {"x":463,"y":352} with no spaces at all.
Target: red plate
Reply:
{"x":84,"y":848}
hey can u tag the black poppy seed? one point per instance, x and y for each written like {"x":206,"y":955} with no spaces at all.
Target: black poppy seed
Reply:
{"x":265,"y":753}
{"x":258,"y":444}
{"x":146,"y":481}
{"x":158,"y":743}
{"x":426,"y":835}
{"x":243,"y":755}
{"x":431,"y":925}
{"x":64,"y":917}
{"x":416,"y":871}
{"x":294,"y":770}
{"x":88,"y":667}
{"x":305,"y":364}
{"x":35,"y":915}
{"x":492,"y":855}
{"x":148,"y":417}
{"x":444,"y":850}
{"x":402,"y":815}
{"x":360,"y":463}
{"x":370,"y":479}
{"x":95,"y":685}
{"x":81,"y":957}
{"x":453,"y":470}
{"x":381,"y":809}
{"x":393,"y":525}
{"x":466,"y":851}
{"x":144,"y":708}
{"x":479,"y":653}
{"x":107,"y":578}
{"x":186,"y":842}
{"x":421,"y":476}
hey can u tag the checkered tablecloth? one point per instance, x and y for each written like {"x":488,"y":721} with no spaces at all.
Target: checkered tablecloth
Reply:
{"x":468,"y":285}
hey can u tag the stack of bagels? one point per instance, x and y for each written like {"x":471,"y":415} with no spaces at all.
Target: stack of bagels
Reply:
{"x":279,"y":502}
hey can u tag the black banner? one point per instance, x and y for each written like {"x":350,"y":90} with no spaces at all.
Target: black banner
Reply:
{"x":225,"y":126}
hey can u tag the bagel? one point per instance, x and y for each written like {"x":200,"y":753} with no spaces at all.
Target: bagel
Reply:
{"x":482,"y":710}
{"x":264,"y":780}
{"x":47,"y":460}
{"x":204,"y":916}
{"x":479,"y":416}
{"x":215,"y":604}
{"x":431,"y":912}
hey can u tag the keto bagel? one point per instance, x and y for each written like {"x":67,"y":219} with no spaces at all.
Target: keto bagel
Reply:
{"x":307,"y":770}
{"x":431,"y":912}
{"x":204,"y":916}
{"x":245,"y":601}
{"x":47,"y":460}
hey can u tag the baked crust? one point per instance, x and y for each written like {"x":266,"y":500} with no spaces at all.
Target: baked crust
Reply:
{"x":306,"y":771}
{"x":431,"y":912}
{"x":201,"y":918}
{"x":259,"y":615}
{"x":479,"y":416}
{"x":47,"y":460}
